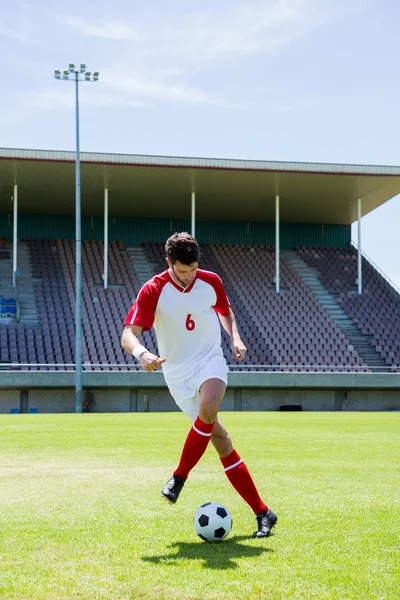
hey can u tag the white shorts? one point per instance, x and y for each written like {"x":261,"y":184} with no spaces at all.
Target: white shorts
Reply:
{"x":186,"y":393}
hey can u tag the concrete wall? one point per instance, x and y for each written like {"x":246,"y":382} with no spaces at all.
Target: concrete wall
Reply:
{"x":9,"y":399}
{"x":370,"y":399}
{"x":108,"y":400}
{"x":158,"y":399}
{"x":52,"y":401}
{"x":267,"y":399}
{"x":140,"y":379}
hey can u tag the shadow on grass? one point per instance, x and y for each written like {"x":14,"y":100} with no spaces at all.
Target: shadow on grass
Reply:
{"x":214,"y":556}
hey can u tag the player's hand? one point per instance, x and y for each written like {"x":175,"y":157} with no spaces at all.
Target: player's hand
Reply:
{"x":238,"y":349}
{"x":150,"y":362}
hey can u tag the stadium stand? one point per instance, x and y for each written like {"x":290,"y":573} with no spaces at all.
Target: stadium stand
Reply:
{"x":8,"y":302}
{"x":281,"y":330}
{"x":103,"y":311}
{"x":288,"y":331}
{"x":376,"y":312}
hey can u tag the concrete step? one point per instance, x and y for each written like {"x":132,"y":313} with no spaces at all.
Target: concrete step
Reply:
{"x":362,"y":344}
{"x":28,"y":305}
{"x":144,"y":270}
{"x":28,"y":310}
{"x":334,"y":307}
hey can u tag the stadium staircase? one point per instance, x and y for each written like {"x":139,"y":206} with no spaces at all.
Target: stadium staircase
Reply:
{"x":143,"y":268}
{"x":7,"y":290}
{"x":6,"y":284}
{"x":361,"y":343}
{"x":28,"y":313}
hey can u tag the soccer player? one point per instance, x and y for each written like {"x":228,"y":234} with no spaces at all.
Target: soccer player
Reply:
{"x":183,"y":303}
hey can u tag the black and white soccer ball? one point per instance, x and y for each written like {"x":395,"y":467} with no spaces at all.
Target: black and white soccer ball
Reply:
{"x":212,"y":522}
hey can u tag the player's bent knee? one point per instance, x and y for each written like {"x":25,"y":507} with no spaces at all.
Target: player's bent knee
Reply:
{"x":209,"y":409}
{"x":208,"y":414}
{"x":212,"y":390}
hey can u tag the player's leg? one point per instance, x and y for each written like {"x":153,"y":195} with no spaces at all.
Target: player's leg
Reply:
{"x":209,"y":398}
{"x":240,"y":478}
{"x":221,"y":440}
{"x":235,"y":469}
{"x":211,"y":394}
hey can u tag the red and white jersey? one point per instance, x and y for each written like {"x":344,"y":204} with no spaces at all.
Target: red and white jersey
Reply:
{"x":185,"y":320}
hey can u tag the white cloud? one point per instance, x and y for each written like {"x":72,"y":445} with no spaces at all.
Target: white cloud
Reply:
{"x":156,"y":85}
{"x":117,"y":88}
{"x":157,"y":63}
{"x":247,"y":30}
{"x":17,"y":33}
{"x":57,"y":99}
{"x":203,"y":36}
{"x":114,"y":30}
{"x":159,"y":58}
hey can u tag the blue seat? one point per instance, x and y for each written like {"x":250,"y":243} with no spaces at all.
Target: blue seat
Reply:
{"x":33,"y":411}
{"x":14,"y":411}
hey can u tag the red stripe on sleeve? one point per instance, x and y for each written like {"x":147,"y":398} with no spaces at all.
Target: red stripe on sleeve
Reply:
{"x":221,"y":305}
{"x":142,"y":311}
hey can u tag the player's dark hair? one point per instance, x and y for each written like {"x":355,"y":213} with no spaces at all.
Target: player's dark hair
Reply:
{"x":183,"y":247}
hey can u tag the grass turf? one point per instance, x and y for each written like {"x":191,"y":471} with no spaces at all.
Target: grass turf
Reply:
{"x":81,"y":515}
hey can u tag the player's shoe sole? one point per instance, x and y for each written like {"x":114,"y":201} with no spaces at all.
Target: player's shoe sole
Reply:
{"x":173,"y":488}
{"x":265,"y":521}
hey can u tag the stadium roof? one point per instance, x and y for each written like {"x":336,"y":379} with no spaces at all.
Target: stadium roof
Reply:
{"x":145,"y":186}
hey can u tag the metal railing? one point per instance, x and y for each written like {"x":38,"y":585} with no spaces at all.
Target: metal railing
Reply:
{"x":232,"y":368}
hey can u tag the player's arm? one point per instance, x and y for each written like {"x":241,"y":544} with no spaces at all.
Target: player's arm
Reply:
{"x":130,"y":343}
{"x":228,"y":322}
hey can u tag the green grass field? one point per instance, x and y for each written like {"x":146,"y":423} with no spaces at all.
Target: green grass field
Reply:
{"x":81,"y":515}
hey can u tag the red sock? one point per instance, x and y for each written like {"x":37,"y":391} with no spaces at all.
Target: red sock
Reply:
{"x":237,"y":473}
{"x":195,"y":446}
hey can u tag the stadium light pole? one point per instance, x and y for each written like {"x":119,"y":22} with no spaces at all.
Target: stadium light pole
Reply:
{"x":77,"y":75}
{"x":359,"y":255}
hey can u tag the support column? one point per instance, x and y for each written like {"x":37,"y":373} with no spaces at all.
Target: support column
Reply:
{"x":193,"y":214}
{"x":78,"y":261}
{"x":105,"y":274}
{"x":277,"y":245}
{"x":15,"y":235}
{"x":359,"y":249}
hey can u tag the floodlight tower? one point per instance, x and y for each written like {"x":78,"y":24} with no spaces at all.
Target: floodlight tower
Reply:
{"x":77,"y":75}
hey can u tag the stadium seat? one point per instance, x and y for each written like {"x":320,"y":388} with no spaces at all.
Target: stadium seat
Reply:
{"x":288,"y":328}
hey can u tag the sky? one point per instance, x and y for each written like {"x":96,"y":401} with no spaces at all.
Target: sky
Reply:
{"x":286,"y":80}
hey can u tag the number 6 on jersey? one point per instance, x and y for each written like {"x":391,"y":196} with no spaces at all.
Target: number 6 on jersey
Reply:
{"x":190,"y":324}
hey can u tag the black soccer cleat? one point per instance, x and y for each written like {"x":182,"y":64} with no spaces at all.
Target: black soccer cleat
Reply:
{"x":173,"y":488}
{"x":265,"y":521}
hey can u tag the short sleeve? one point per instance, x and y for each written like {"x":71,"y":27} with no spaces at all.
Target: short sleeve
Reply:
{"x":143,"y":310}
{"x":222,"y":304}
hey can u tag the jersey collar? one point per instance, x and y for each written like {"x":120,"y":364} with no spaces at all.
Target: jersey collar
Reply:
{"x":178,"y":286}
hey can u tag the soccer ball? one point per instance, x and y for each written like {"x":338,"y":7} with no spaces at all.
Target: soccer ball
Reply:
{"x":212,"y":522}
